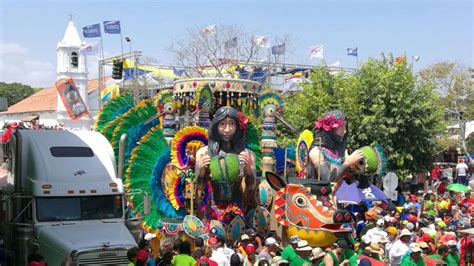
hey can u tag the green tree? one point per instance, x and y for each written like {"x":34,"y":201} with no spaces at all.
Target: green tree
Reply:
{"x":384,"y":105}
{"x":455,"y":85}
{"x":15,"y":92}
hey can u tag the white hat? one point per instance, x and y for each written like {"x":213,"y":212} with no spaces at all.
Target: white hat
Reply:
{"x":380,"y":222}
{"x":410,"y":226}
{"x":149,"y":236}
{"x":303,"y":246}
{"x":271,"y":241}
{"x":415,"y":247}
{"x":366,"y":239}
{"x":244,"y":237}
{"x":405,"y":232}
{"x":277,"y":260}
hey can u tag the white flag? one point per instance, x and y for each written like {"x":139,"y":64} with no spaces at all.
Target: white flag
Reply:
{"x":416,"y":58}
{"x":316,"y":51}
{"x":89,"y":48}
{"x":209,"y":30}
{"x":262,"y":41}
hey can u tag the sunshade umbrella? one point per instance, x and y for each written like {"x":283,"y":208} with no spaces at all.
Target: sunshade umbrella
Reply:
{"x":457,"y":188}
{"x":354,"y":195}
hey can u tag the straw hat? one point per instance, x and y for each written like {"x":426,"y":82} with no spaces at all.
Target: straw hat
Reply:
{"x":277,"y":260}
{"x":317,"y":253}
{"x":375,"y":248}
{"x":405,"y":232}
{"x":423,"y":245}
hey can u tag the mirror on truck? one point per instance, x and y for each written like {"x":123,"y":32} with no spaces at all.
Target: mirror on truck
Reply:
{"x":146,"y":205}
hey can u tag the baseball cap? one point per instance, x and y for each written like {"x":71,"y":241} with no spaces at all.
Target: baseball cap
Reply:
{"x":452,"y":243}
{"x":244,"y":237}
{"x":342,"y":244}
{"x":391,"y":230}
{"x":380,"y":222}
{"x":250,"y":248}
{"x":271,"y":241}
{"x":294,"y":239}
{"x":149,"y":236}
{"x":365,"y":262}
{"x":410,"y":226}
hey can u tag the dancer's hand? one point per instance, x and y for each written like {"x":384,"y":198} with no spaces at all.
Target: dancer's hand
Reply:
{"x":202,"y":163}
{"x":354,"y":158}
{"x":247,"y":161}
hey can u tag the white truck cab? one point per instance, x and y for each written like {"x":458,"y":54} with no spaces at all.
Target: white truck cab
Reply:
{"x":63,"y":199}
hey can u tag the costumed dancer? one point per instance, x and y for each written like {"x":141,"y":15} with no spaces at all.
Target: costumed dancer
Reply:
{"x":224,"y":162}
{"x":328,"y":155}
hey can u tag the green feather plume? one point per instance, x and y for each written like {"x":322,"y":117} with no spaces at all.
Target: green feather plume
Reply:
{"x":253,"y":141}
{"x":146,"y":165}
{"x":133,"y":124}
{"x":114,"y":108}
{"x":108,"y":129}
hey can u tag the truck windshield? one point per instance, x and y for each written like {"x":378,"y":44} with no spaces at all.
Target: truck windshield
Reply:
{"x":78,"y":208}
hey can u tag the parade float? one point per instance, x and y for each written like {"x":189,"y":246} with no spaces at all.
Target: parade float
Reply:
{"x":164,"y":140}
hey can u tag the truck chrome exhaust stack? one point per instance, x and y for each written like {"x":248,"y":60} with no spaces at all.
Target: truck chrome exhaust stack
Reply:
{"x":121,"y":156}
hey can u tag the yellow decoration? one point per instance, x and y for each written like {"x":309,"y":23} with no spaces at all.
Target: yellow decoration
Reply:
{"x":315,"y":238}
{"x":306,"y":137}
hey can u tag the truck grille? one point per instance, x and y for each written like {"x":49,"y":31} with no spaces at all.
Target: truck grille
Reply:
{"x":117,"y":260}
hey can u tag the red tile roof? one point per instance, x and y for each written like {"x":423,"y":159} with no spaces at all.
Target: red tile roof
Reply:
{"x":44,"y":100}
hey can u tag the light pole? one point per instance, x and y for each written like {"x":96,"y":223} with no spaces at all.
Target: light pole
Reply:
{"x":129,"y":42}
{"x":459,"y":113}
{"x":414,"y":59}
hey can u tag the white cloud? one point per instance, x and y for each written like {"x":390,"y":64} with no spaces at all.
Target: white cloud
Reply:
{"x":16,"y":65}
{"x":12,"y":48}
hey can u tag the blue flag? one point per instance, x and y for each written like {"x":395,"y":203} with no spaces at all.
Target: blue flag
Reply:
{"x":91,"y":31}
{"x":278,"y":49}
{"x":112,"y":27}
{"x":352,"y":51}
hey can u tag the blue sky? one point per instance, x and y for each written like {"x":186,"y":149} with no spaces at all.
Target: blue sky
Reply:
{"x":434,"y":30}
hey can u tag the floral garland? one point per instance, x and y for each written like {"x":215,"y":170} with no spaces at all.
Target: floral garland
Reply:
{"x":328,"y":123}
{"x":243,"y":120}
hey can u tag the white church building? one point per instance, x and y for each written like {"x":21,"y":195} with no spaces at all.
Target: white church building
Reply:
{"x":47,"y":105}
